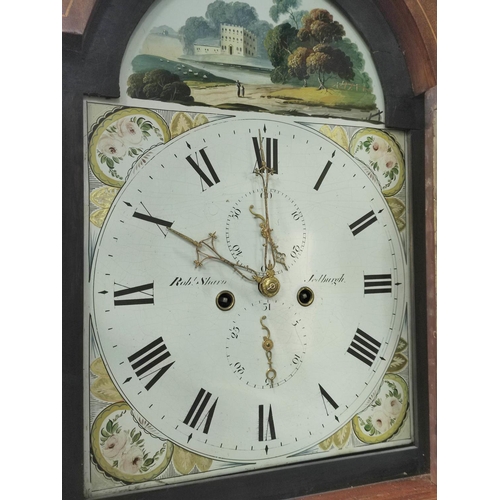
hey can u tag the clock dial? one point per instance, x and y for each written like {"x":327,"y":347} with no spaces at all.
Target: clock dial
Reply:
{"x":198,"y":372}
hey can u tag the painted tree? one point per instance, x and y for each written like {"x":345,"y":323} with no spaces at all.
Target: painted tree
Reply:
{"x":280,"y":42}
{"x":325,"y":60}
{"x":297,"y":64}
{"x":290,"y":7}
{"x":194,"y":28}
{"x":260,"y":29}
{"x":235,"y":13}
{"x":317,"y":54}
{"x":351,"y":50}
{"x":319,"y":27}
{"x":135,"y":85}
{"x":159,"y":85}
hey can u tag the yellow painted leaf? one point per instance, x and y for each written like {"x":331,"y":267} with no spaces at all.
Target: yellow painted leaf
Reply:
{"x":337,"y":134}
{"x":181,"y":122}
{"x":326,"y":444}
{"x":203,"y":463}
{"x":399,"y":361}
{"x":97,"y":216}
{"x":341,"y":437}
{"x":183,"y":460}
{"x":103,"y":197}
{"x":397,"y":207}
{"x":97,"y":368}
{"x":200,"y":120}
{"x":402,"y":345}
{"x":104,"y":389}
{"x":401,"y":223}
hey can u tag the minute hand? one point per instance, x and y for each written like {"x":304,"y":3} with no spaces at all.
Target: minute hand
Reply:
{"x":264,"y":172}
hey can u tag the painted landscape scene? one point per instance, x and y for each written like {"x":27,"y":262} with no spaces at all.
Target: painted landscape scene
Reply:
{"x":290,"y":59}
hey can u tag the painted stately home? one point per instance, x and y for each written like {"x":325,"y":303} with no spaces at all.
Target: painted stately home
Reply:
{"x":233,"y":41}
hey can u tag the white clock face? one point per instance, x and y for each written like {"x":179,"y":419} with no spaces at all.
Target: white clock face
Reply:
{"x":197,"y":372}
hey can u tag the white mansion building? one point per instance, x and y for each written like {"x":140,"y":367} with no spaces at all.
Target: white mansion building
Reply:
{"x":233,"y":41}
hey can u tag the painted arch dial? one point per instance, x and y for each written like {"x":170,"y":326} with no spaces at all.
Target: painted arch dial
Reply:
{"x":197,"y":372}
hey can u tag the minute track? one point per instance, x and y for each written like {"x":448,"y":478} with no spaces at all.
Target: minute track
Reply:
{"x":311,"y":228}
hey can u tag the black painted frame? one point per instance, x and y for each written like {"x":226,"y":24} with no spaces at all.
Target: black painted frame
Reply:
{"x":92,"y":69}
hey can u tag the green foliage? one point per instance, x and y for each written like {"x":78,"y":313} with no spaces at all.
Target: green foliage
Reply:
{"x":235,"y":13}
{"x":159,"y":77}
{"x":194,"y":28}
{"x":135,"y":437}
{"x":322,"y":60}
{"x":110,"y":429}
{"x":134,"y":85}
{"x":297,"y":18}
{"x":366,"y":144}
{"x":280,"y":74}
{"x":319,"y":27}
{"x":318,"y":48}
{"x":280,"y":42}
{"x":260,"y":29}
{"x":158,"y":85}
{"x":281,"y":7}
{"x":394,"y":392}
{"x":297,"y":64}
{"x":351,"y":50}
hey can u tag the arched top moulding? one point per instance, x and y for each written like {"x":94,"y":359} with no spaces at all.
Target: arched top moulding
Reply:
{"x":316,"y":58}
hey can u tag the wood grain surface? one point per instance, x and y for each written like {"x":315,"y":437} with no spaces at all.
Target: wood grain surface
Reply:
{"x":414,"y":488}
{"x":414,"y":22}
{"x":75,"y":15}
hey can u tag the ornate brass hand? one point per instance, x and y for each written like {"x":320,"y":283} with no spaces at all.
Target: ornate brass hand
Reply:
{"x":269,"y":285}
{"x":205,"y":250}
{"x":267,"y":345}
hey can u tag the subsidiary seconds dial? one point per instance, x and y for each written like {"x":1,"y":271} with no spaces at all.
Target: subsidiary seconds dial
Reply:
{"x":244,"y":343}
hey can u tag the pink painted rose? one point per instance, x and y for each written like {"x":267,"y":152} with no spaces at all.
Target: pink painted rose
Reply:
{"x":112,"y":146}
{"x":378,"y":149}
{"x":129,"y":131}
{"x":392,"y":406}
{"x":114,"y":445}
{"x":132,"y":460}
{"x":381,"y":421}
{"x":389,"y":161}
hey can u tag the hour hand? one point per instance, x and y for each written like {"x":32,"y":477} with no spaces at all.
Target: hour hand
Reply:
{"x":205,"y":250}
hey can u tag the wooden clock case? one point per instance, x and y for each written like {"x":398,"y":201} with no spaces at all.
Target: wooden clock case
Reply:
{"x":91,"y":68}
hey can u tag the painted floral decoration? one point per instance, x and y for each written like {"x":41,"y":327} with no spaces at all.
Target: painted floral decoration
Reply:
{"x":125,"y":450}
{"x":123,"y":138}
{"x":381,"y":156}
{"x":385,"y":411}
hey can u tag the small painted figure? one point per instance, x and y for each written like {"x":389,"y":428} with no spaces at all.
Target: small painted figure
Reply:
{"x":238,"y":85}
{"x":242,"y":91}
